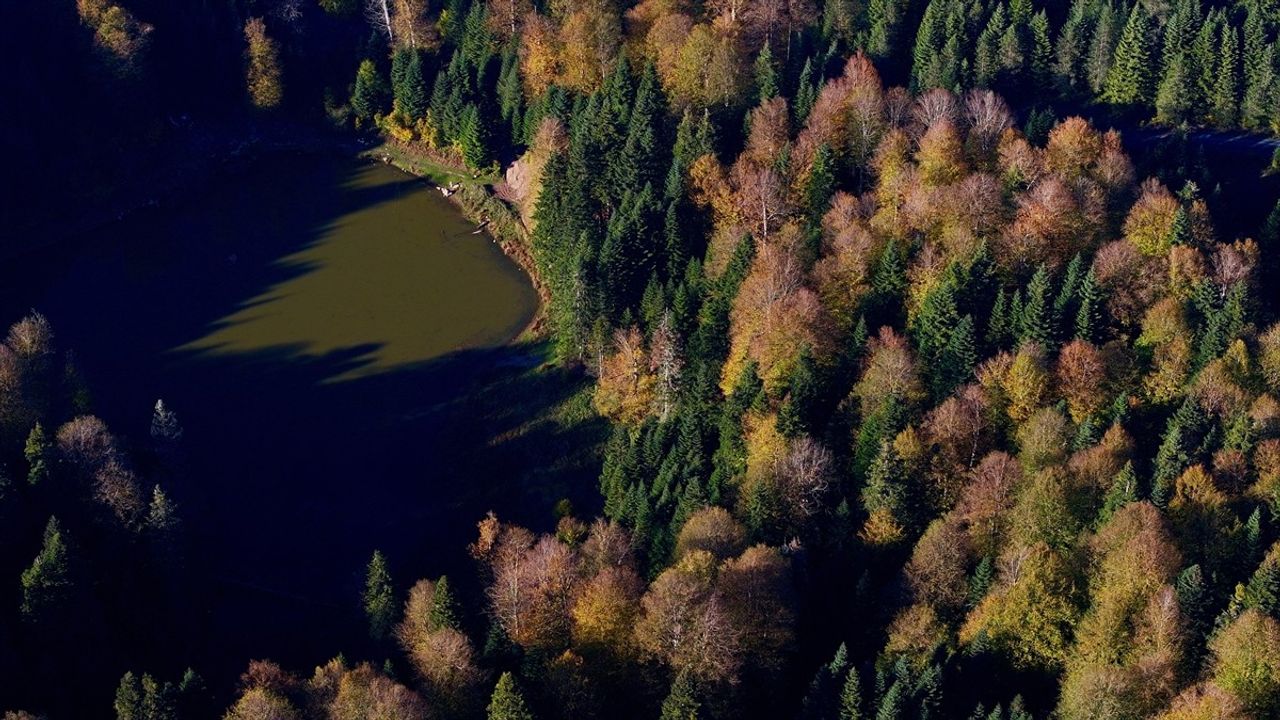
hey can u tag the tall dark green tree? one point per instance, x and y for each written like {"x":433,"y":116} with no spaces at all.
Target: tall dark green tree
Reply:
{"x":1132,"y":78}
{"x":507,"y":701}
{"x":47,"y":582}
{"x":379,"y":597}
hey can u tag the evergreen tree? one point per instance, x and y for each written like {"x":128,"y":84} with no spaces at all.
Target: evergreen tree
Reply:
{"x":797,"y":415}
{"x":1089,"y":315}
{"x":821,"y":185}
{"x":1131,"y":80}
{"x":507,"y":702}
{"x":473,"y":138}
{"x":806,"y":92}
{"x":37,"y":452}
{"x":370,"y":94}
{"x":159,"y":700}
{"x":1102,"y":48}
{"x":1227,"y":84}
{"x":998,"y":321}
{"x":681,"y":702}
{"x":1034,"y":324}
{"x":511,"y":94}
{"x":851,"y":697}
{"x":47,"y":582}
{"x":766,"y":75}
{"x":165,"y":428}
{"x":128,"y":702}
{"x":958,"y":359}
{"x":412,"y":96}
{"x":445,"y":611}
{"x":379,"y":597}
{"x":1123,"y":490}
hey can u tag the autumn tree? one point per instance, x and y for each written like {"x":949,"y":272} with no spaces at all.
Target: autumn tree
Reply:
{"x":262,"y":66}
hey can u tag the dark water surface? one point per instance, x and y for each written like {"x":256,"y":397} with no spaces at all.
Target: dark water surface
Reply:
{"x":321,"y":326}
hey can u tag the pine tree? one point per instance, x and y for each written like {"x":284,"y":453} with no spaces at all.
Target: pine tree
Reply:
{"x":1176,"y":97}
{"x":507,"y":702}
{"x":681,"y":702}
{"x":379,"y":597}
{"x":1123,"y":490}
{"x":1193,"y":601}
{"x":1102,"y":49}
{"x":1089,"y":314}
{"x":1034,"y":324}
{"x":128,"y":702}
{"x":821,"y":185}
{"x":806,"y":92}
{"x":47,"y":582}
{"x":1041,"y":50}
{"x":766,"y":75}
{"x":370,"y":93}
{"x":928,"y":48}
{"x":851,"y":697}
{"x":796,"y":416}
{"x":159,"y":700}
{"x":165,"y":428}
{"x":987,"y":60}
{"x":162,"y":514}
{"x":445,"y":611}
{"x":511,"y":93}
{"x":399,"y":68}
{"x":1131,"y":80}
{"x":473,"y":138}
{"x":37,"y":452}
{"x":412,"y":97}
{"x":998,"y":321}
{"x":1227,"y":86}
{"x":893,"y":704}
{"x":958,"y":358}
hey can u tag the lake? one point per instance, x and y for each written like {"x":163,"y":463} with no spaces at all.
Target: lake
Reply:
{"x":334,"y":339}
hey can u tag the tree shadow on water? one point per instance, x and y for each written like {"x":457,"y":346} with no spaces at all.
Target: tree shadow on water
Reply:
{"x":298,"y":461}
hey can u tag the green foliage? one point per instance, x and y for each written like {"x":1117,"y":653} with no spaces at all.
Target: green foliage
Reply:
{"x":766,"y":75}
{"x":1131,"y":79}
{"x":369,"y":97}
{"x":507,"y":702}
{"x":379,"y":597}
{"x":38,"y":454}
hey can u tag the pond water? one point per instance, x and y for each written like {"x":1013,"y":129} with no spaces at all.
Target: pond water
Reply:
{"x":316,"y":323}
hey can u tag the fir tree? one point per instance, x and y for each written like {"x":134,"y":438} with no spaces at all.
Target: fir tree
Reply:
{"x":444,"y":611}
{"x":1034,"y":322}
{"x":473,"y":138}
{"x":411,"y":98}
{"x":370,"y":94}
{"x":821,"y":185}
{"x":1089,"y":316}
{"x":507,"y":702}
{"x":1227,"y":85}
{"x":998,"y":321}
{"x":37,"y":452}
{"x":379,"y":597}
{"x":1131,"y":79}
{"x":128,"y":702}
{"x":681,"y":702}
{"x":47,"y":582}
{"x":766,"y":75}
{"x":851,"y":697}
{"x":806,"y":92}
{"x":1123,"y":490}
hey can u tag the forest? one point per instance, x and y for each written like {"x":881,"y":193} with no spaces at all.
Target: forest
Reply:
{"x":941,"y":364}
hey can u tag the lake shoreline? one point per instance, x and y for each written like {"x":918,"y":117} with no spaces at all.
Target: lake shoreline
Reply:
{"x":210,"y":154}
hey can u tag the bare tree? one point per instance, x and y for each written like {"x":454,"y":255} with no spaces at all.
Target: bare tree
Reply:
{"x":378,"y":13}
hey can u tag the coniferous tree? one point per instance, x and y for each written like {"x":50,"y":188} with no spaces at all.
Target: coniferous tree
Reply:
{"x":369,"y":96}
{"x":1102,"y":48}
{"x":412,"y":94}
{"x":1131,"y":79}
{"x":473,"y":138}
{"x":1034,"y":322}
{"x":1089,"y":315}
{"x":507,"y":702}
{"x":681,"y":702}
{"x":37,"y":453}
{"x":128,"y":702}
{"x":445,"y":611}
{"x":379,"y":597}
{"x":1227,"y":84}
{"x":851,"y":697}
{"x":47,"y":582}
{"x":766,"y":75}
{"x":806,"y":92}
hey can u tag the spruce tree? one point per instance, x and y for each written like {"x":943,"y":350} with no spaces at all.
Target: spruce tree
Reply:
{"x":128,"y":702}
{"x":37,"y":453}
{"x":766,"y":75}
{"x":681,"y":702}
{"x":1102,"y":48}
{"x":445,"y":610}
{"x":1089,"y":312}
{"x":370,"y":94}
{"x":1131,"y":80}
{"x":821,"y":185}
{"x":379,"y":597}
{"x":507,"y":701}
{"x":806,"y":92}
{"x":412,"y":95}
{"x":473,"y":138}
{"x":1227,"y":84}
{"x":851,"y":697}
{"x":1034,"y":324}
{"x":47,"y":582}
{"x":1123,"y":490}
